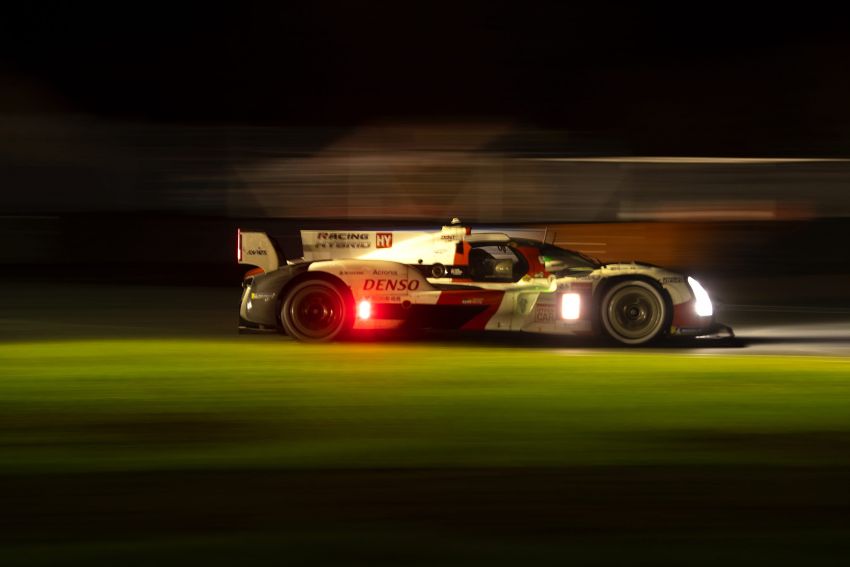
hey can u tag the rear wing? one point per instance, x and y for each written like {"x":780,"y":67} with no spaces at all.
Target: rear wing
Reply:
{"x":256,"y":249}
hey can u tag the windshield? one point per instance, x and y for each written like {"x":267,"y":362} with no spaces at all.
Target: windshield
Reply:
{"x":559,"y":261}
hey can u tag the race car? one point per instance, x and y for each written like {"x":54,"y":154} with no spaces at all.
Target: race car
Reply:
{"x":356,"y":280}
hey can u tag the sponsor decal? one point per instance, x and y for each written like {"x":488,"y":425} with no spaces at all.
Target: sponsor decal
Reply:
{"x":383,"y":240}
{"x":671,"y":280}
{"x":343,"y":240}
{"x":264,"y":295}
{"x":390,"y":285}
{"x":343,"y":236}
{"x":386,"y":298}
{"x":473,"y":301}
{"x":355,"y":244}
{"x":257,"y":252}
{"x":544,"y":313}
{"x":350,"y":273}
{"x":384,"y":273}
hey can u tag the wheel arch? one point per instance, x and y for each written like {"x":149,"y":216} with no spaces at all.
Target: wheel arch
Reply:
{"x":344,"y":289}
{"x":606,"y":284}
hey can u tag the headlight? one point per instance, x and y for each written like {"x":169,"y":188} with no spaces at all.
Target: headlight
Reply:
{"x":702,"y":303}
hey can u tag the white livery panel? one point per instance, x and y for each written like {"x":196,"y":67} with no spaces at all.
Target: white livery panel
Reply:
{"x":406,"y":247}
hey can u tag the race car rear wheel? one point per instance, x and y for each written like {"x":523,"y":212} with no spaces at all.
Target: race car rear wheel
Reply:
{"x":633,"y":312}
{"x":316,"y":311}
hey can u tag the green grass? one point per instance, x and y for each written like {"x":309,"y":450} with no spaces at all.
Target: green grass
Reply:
{"x":124,"y":405}
{"x":258,"y":450}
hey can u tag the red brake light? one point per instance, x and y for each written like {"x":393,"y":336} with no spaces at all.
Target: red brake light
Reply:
{"x":364,"y":309}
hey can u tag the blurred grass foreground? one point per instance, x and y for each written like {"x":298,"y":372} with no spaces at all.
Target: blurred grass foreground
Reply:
{"x":135,"y":450}
{"x":149,"y":404}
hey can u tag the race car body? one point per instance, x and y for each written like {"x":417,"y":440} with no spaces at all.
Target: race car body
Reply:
{"x":454,"y":279}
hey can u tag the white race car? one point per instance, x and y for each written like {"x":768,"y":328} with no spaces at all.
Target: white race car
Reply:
{"x":351,"y":280}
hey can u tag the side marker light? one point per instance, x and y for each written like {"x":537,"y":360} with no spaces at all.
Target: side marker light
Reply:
{"x":570,"y":306}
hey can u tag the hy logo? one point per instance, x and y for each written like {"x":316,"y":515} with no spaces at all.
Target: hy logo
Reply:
{"x":383,"y":240}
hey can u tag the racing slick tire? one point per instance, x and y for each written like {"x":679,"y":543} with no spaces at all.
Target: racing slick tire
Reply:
{"x":316,"y":310}
{"x":633,"y":312}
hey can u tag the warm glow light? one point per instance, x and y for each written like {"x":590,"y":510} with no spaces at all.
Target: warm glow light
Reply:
{"x":238,"y":245}
{"x":364,"y":309}
{"x":570,"y":306}
{"x":702,"y":303}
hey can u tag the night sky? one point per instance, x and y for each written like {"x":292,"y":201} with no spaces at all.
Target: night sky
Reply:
{"x":659,"y":78}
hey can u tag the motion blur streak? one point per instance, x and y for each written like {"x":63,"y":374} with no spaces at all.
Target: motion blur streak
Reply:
{"x":688,"y":160}
{"x":480,"y":172}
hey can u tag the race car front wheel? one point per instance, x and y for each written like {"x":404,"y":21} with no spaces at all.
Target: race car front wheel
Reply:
{"x":633,"y":312}
{"x":316,"y":311}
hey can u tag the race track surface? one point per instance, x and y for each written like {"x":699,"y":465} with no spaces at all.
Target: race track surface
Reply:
{"x":77,"y":311}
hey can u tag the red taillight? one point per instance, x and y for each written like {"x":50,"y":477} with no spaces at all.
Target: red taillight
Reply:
{"x":238,"y":245}
{"x":364,"y":309}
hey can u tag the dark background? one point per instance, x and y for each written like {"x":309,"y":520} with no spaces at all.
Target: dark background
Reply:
{"x":733,"y":78}
{"x":127,"y":129}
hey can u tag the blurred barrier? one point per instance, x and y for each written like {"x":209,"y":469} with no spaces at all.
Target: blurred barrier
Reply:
{"x":182,"y":242}
{"x":714,"y":246}
{"x":487,"y":173}
{"x":94,"y":201}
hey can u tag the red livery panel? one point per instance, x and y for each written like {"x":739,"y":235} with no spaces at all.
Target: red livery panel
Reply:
{"x":491,"y":300}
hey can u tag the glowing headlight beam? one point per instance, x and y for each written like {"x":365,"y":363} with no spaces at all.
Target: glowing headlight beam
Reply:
{"x":702,"y":303}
